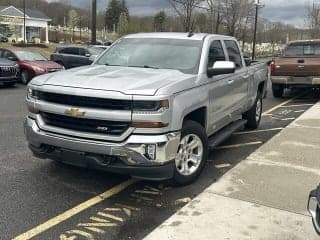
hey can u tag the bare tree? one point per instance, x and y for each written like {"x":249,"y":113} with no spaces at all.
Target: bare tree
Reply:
{"x":237,"y":14}
{"x":185,"y":9}
{"x":215,"y":12}
{"x":313,"y":18}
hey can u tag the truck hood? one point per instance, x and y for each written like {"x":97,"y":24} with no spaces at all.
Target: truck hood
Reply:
{"x":127,"y":80}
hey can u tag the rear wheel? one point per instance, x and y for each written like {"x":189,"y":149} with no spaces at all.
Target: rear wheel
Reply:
{"x":192,"y":153}
{"x":253,"y":116}
{"x":277,"y":90}
{"x":25,"y":78}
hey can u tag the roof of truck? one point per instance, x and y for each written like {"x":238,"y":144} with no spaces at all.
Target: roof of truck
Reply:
{"x":174,"y":35}
{"x":305,"y":41}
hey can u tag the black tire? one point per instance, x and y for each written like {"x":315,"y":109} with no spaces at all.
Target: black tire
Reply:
{"x":253,"y":116}
{"x":25,"y":78}
{"x":194,"y":128}
{"x":277,"y":90}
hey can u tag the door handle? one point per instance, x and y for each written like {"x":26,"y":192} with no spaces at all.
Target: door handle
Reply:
{"x":230,"y":82}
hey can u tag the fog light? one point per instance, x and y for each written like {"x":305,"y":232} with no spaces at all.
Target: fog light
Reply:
{"x":151,"y":151}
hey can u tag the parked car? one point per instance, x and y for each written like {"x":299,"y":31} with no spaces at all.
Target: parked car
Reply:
{"x":31,"y":64}
{"x":151,"y":106}
{"x":3,"y":38}
{"x":314,"y":208}
{"x":299,"y":66}
{"x":74,"y":56}
{"x":9,"y":72}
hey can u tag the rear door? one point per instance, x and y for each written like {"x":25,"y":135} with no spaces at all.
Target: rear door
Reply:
{"x":71,"y":56}
{"x":299,"y":60}
{"x":84,"y":57}
{"x":239,"y":82}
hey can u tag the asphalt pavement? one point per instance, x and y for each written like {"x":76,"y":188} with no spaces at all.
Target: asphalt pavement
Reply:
{"x":41,"y":199}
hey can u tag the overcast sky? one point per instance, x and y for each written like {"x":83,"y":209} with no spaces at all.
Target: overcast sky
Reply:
{"x":289,"y":11}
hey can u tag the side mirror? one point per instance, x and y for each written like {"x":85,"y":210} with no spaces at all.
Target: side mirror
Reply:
{"x":247,"y":61}
{"x":221,"y":68}
{"x":314,"y":208}
{"x":14,"y":59}
{"x":92,"y":58}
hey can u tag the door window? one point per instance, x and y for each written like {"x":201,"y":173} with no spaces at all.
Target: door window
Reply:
{"x":83,"y":52}
{"x":8,"y":54}
{"x":71,"y":51}
{"x":216,"y":53}
{"x":234,"y":53}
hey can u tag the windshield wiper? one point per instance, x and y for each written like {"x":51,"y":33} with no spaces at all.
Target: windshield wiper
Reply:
{"x":112,"y":65}
{"x":145,"y":66}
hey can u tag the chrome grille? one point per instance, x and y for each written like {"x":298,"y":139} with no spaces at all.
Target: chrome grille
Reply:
{"x":8,"y":71}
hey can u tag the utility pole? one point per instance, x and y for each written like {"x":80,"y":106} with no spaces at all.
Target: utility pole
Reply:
{"x":24,"y":22}
{"x":257,"y":3}
{"x":94,"y":22}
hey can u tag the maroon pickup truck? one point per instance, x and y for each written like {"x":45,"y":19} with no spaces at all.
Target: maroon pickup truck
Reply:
{"x":299,"y":66}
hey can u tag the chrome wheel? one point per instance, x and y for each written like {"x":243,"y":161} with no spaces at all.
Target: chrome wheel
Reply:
{"x":258,"y":110}
{"x":190,"y":155}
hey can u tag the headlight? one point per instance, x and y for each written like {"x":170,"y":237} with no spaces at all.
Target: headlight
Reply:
{"x":32,"y":94}
{"x":150,"y":106}
{"x":38,"y":69}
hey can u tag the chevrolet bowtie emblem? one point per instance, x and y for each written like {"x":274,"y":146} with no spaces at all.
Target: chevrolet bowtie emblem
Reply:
{"x":74,"y":112}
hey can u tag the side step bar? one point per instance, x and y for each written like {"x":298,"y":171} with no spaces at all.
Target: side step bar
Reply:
{"x":219,"y":137}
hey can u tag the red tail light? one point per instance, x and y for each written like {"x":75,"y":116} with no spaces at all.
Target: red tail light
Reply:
{"x":272,"y":67}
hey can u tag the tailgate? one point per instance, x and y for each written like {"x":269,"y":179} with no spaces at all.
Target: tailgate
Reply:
{"x":300,"y":67}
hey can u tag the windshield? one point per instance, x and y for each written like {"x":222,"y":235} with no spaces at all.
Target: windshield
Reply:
{"x":30,"y":56}
{"x":182,"y":55}
{"x":302,"y":49}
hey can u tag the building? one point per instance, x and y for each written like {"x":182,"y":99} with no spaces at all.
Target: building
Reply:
{"x":11,"y":24}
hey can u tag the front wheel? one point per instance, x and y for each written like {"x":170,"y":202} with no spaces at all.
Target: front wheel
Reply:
{"x":192,"y":153}
{"x":25,"y":77}
{"x":253,"y":116}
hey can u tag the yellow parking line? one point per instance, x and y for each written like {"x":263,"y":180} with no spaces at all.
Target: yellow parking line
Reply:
{"x":239,"y":145}
{"x":73,"y":211}
{"x":299,"y":105}
{"x":258,"y":131}
{"x":280,"y":105}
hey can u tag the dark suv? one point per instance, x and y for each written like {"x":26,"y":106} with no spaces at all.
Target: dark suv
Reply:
{"x":74,"y":56}
{"x":9,"y":71}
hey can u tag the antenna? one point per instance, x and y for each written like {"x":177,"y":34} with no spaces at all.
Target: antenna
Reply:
{"x":190,"y":34}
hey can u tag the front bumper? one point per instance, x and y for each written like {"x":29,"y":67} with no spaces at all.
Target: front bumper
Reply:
{"x":5,"y":80}
{"x":290,"y":80}
{"x":128,"y":157}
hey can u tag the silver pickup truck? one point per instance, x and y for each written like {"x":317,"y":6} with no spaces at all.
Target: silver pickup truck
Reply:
{"x":151,"y":106}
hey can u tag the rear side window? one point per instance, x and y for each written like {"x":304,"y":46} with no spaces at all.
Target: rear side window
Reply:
{"x":216,"y":53}
{"x":234,"y":53}
{"x":72,"y":51}
{"x":302,"y":49}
